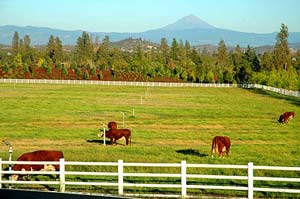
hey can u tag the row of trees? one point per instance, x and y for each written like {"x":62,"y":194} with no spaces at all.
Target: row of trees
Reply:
{"x":179,"y":60}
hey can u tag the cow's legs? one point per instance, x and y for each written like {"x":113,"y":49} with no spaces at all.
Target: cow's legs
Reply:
{"x":127,"y":140}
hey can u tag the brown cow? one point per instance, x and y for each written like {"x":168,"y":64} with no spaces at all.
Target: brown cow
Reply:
{"x":115,"y":134}
{"x":220,"y":145}
{"x":112,"y":125}
{"x":285,"y":117}
{"x":42,"y":155}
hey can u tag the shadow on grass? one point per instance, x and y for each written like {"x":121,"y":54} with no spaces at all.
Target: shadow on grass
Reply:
{"x":99,"y":142}
{"x":191,"y":152}
{"x":290,"y":99}
{"x":107,"y":142}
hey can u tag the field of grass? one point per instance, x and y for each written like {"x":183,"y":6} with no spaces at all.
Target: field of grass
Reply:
{"x":168,"y":125}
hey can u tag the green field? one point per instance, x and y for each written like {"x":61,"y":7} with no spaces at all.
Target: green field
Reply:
{"x":170,"y":125}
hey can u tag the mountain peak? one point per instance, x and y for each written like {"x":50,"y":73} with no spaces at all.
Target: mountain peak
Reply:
{"x":188,"y":22}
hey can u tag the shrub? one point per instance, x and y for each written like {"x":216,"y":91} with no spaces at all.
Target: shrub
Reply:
{"x":58,"y":66}
{"x":25,"y":68}
{"x":78,"y":71}
{"x":86,"y":75}
{"x":5,"y":68}
{"x":64,"y":71}
{"x":14,"y":66}
{"x":73,"y":66}
{"x":44,"y":64}
{"x":93,"y":71}
{"x":49,"y":70}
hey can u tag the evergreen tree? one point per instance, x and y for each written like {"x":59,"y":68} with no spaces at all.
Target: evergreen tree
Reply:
{"x":174,"y":50}
{"x":27,"y":52}
{"x":64,"y":71}
{"x":27,"y":43}
{"x":84,"y":50}
{"x":187,"y":48}
{"x":25,"y":68}
{"x":15,"y":44}
{"x":195,"y":57}
{"x":49,"y":70}
{"x":86,"y":75}
{"x":58,"y":51}
{"x":139,"y":54}
{"x":222,"y":53}
{"x":106,"y":42}
{"x":21,"y":47}
{"x":54,"y":49}
{"x":281,"y":51}
{"x":267,"y":62}
{"x":252,"y":58}
{"x":164,"y":49}
{"x":102,"y":54}
{"x":51,"y":48}
{"x":5,"y":68}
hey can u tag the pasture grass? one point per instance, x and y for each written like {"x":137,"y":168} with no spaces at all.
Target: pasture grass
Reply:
{"x":168,"y":125}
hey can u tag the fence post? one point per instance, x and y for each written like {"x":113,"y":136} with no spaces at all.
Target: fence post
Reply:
{"x":183,"y":178}
{"x":120,"y":177}
{"x":62,"y":174}
{"x":1,"y":173}
{"x":250,"y":180}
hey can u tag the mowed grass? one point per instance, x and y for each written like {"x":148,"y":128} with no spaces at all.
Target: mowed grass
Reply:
{"x":167,"y":124}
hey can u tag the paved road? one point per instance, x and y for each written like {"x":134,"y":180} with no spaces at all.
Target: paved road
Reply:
{"x":20,"y":194}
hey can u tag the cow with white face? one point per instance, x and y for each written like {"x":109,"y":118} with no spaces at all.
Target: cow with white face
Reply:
{"x":43,"y":155}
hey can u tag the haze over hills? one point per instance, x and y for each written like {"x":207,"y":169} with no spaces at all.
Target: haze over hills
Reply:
{"x":190,"y":28}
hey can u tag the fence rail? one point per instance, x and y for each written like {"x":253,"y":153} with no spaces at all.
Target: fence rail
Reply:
{"x":151,"y":84}
{"x":183,"y":175}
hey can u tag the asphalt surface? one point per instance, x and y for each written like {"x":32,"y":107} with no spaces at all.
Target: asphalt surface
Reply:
{"x":21,"y":194}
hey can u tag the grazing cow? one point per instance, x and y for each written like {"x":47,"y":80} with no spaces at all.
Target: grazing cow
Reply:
{"x":38,"y":156}
{"x":112,"y":125}
{"x":115,"y":134}
{"x":220,"y":145}
{"x":285,"y":117}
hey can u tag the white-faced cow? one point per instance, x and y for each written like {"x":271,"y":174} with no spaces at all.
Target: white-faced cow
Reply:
{"x":43,"y":155}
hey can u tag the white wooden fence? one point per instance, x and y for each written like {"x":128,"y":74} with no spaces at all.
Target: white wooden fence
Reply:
{"x":184,"y":186}
{"x":151,"y":84}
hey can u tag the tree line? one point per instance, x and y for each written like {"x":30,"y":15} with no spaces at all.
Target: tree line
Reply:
{"x":179,"y":60}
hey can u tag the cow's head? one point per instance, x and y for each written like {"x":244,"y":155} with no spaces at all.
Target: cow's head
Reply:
{"x":16,"y":176}
{"x":48,"y":167}
{"x":100,"y":136}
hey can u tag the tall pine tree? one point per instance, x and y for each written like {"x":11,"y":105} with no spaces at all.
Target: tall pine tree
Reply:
{"x":282,"y":57}
{"x":15,"y":44}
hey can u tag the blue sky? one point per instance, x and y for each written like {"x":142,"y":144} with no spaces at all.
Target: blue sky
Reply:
{"x":259,"y":16}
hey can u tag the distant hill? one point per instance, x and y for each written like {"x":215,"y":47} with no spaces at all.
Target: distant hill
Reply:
{"x":190,"y":28}
{"x":131,"y":45}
